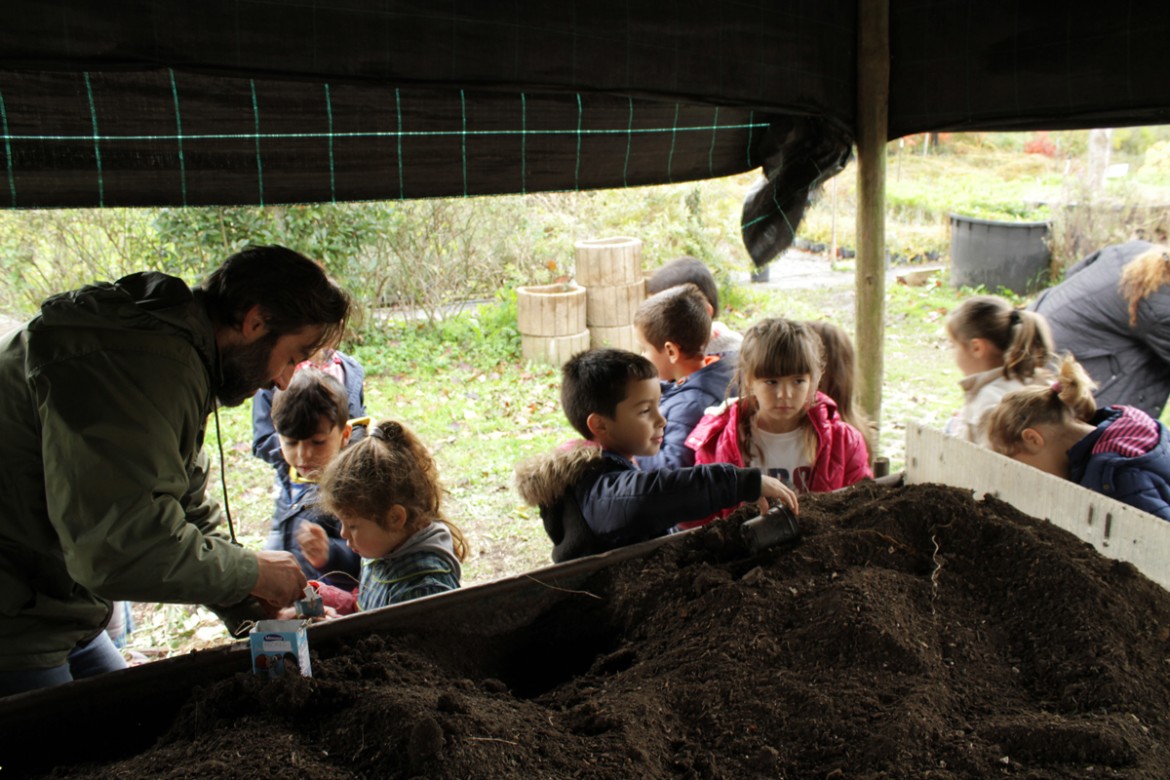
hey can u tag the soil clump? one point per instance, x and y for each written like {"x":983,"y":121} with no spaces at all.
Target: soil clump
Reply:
{"x":913,"y":632}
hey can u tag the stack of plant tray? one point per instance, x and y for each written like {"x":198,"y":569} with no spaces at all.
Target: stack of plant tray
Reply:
{"x":610,"y":269}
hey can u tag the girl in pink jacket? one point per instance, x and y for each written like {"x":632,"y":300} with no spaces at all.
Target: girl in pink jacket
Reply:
{"x":781,"y":423}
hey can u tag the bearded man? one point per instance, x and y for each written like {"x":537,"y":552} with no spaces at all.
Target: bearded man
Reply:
{"x":104,"y":401}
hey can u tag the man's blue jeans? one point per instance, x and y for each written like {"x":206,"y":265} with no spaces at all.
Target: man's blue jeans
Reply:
{"x":95,"y":657}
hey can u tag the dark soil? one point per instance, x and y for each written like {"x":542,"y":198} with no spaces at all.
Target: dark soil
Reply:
{"x":912,"y":633}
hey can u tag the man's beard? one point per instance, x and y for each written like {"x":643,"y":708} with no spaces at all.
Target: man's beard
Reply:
{"x":245,"y":370}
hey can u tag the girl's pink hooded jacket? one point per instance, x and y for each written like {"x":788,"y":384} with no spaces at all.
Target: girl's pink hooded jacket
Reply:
{"x":842,"y":458}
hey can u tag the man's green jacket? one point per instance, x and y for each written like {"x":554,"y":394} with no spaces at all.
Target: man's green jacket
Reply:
{"x":103,"y":402}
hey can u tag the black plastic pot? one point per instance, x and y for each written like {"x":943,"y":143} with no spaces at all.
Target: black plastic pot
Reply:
{"x":1010,"y":255}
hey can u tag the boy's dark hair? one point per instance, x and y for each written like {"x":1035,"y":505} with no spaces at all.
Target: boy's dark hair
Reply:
{"x":677,"y":314}
{"x":595,"y":382}
{"x":682,"y":270}
{"x":293,"y":290}
{"x":311,"y":394}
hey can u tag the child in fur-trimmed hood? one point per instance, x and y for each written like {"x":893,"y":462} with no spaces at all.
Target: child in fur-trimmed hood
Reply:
{"x":592,"y":495}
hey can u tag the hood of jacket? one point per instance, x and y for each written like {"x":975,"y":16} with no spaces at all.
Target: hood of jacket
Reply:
{"x":435,"y":538}
{"x":143,"y":302}
{"x":543,"y":479}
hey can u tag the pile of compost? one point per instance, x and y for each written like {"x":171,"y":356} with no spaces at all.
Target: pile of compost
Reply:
{"x":912,"y":632}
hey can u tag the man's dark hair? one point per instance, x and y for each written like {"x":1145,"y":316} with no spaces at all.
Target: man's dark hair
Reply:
{"x":677,"y":314}
{"x":595,"y":382}
{"x":311,"y":394}
{"x":293,"y":291}
{"x":682,"y":270}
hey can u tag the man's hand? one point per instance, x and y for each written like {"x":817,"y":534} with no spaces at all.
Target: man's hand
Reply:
{"x":281,"y":581}
{"x":773,"y":488}
{"x":314,"y":544}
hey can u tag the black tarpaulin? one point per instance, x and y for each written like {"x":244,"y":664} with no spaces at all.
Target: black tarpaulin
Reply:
{"x":162,"y":137}
{"x":255,"y":102}
{"x":1019,"y":65}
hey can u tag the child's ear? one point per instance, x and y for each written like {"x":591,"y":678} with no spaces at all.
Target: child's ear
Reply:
{"x":673,"y":353}
{"x":345,"y":434}
{"x":979,"y":347}
{"x":396,"y":518}
{"x":1033,"y":440}
{"x":597,"y":424}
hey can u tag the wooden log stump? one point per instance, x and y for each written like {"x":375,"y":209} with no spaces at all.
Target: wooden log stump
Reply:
{"x":611,"y":307}
{"x":609,"y":262}
{"x":554,"y":350}
{"x":550,"y":310}
{"x":621,"y":337}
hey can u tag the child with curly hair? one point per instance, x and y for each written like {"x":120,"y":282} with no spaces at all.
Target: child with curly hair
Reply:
{"x":387,"y":494}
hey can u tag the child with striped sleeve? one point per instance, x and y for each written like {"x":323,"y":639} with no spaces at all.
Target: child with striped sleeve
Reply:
{"x":386,"y":492}
{"x":1119,"y":451}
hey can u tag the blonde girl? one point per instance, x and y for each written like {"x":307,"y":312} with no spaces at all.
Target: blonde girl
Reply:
{"x":999,"y":349}
{"x":1119,"y":451}
{"x":781,"y":423}
{"x":385,"y":490}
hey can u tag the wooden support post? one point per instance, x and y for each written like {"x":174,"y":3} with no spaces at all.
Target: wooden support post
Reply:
{"x":873,"y":102}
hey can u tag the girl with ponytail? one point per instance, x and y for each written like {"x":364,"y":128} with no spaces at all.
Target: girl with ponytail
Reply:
{"x":999,"y":349}
{"x":1119,"y":451}
{"x":385,"y":490}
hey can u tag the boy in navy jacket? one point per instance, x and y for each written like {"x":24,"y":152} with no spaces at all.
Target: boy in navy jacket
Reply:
{"x":592,"y":496}
{"x":312,"y":423}
{"x":674,"y":326}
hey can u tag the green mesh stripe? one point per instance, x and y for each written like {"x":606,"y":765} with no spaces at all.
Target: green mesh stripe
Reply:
{"x":259,"y":161}
{"x":523,"y":144}
{"x":179,"y":135}
{"x":398,"y":109}
{"x":7,"y":150}
{"x":750,"y":127}
{"x":97,"y":149}
{"x":463,"y":110}
{"x":629,"y":140}
{"x":699,"y":128}
{"x":711,"y":151}
{"x":332,"y":169}
{"x":673,"y":136}
{"x":580,"y":116}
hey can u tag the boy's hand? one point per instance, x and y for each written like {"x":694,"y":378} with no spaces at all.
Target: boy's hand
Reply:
{"x":314,"y":544}
{"x":771,"y":487}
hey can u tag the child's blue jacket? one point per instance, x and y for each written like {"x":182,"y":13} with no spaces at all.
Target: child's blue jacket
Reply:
{"x":592,"y":500}
{"x":1142,"y":481}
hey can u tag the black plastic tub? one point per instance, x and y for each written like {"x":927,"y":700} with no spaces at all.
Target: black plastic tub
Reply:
{"x":1008,"y":255}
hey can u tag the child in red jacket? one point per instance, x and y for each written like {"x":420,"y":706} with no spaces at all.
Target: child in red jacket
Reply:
{"x":781,"y":423}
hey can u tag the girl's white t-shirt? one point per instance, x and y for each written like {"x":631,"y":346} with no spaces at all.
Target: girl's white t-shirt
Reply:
{"x":782,"y":456}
